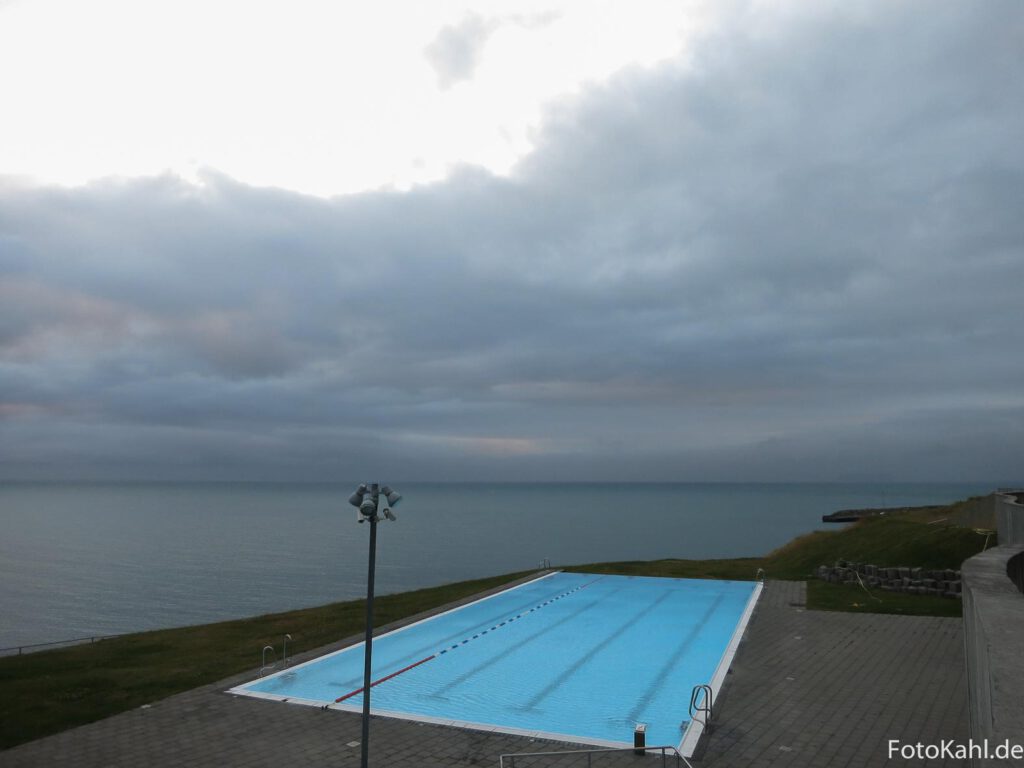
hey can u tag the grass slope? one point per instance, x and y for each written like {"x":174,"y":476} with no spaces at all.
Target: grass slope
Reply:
{"x":885,"y":541}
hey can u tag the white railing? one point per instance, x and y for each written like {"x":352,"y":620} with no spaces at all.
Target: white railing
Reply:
{"x":679,"y":759}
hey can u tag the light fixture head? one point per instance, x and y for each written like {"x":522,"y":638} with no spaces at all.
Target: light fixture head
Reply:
{"x":368,"y":507}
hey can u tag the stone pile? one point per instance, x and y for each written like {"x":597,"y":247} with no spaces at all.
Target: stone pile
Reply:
{"x":918,"y":581}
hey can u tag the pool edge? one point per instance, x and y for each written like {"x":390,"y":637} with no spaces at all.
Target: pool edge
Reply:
{"x":239,"y":690}
{"x":695,"y":728}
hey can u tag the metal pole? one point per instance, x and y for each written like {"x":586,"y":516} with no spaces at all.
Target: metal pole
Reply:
{"x":369,"y":642}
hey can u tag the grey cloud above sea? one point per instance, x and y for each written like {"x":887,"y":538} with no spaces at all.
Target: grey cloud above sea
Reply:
{"x":796,"y":255}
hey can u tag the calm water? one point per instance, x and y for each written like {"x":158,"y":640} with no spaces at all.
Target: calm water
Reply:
{"x":88,"y":559}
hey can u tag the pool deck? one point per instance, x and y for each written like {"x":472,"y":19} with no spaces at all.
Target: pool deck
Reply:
{"x":807,"y":688}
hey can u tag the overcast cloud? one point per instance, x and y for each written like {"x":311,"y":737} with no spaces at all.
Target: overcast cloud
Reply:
{"x":798,"y":255}
{"x":455,"y":52}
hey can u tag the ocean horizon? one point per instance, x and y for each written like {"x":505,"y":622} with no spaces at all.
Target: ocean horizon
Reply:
{"x":80,"y":559}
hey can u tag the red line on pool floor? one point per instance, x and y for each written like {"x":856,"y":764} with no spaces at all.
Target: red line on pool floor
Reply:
{"x":384,"y":679}
{"x":432,"y":656}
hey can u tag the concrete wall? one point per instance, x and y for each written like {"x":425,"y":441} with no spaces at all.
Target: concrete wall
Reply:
{"x":1009,"y":514}
{"x":994,"y":632}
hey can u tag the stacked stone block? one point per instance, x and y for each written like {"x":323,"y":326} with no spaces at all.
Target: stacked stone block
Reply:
{"x":917,"y":581}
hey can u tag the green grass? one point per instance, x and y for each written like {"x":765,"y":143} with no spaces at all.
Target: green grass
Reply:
{"x":884,"y":541}
{"x":47,"y":692}
{"x":822,"y":596}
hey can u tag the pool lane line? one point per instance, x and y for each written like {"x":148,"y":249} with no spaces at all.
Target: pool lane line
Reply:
{"x":662,"y":676}
{"x":519,"y":615}
{"x":502,"y":652}
{"x":357,"y":691}
{"x":384,"y":679}
{"x":587,"y":657}
{"x":432,"y":645}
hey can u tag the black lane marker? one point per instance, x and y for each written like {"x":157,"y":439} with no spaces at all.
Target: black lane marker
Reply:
{"x":671,"y":661}
{"x":464,"y":641}
{"x":524,"y":613}
{"x":585,"y":658}
{"x":428,"y":647}
{"x":535,"y":636}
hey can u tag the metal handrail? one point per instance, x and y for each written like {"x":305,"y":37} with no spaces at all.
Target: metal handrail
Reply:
{"x":590,"y":752}
{"x":706,"y":706}
{"x":92,"y":639}
{"x":264,"y":667}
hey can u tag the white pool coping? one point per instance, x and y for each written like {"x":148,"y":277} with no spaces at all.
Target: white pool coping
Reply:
{"x":696,"y":728}
{"x":687,"y":745}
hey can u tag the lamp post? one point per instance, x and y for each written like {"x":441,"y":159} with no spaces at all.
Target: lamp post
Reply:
{"x":367,"y":499}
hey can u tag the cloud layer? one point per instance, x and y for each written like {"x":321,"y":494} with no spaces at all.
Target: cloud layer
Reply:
{"x":797,"y":255}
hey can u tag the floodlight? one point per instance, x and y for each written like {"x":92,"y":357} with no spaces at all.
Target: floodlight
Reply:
{"x":357,"y":498}
{"x":368,"y":507}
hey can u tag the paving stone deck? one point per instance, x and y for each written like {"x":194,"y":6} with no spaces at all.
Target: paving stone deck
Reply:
{"x":807,"y":688}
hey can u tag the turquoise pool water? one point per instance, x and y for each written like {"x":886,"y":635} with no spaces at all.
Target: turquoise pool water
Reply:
{"x":582,"y":657}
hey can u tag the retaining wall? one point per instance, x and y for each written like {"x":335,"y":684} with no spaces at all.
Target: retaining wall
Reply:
{"x":919,"y":581}
{"x":992,"y":584}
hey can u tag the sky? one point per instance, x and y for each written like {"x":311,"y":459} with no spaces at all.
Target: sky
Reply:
{"x":540,"y":241}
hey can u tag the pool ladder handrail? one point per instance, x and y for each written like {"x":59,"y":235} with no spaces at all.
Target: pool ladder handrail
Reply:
{"x":263,"y":661}
{"x":705,"y":707}
{"x":761,"y":576}
{"x":680,"y":760}
{"x":284,"y":657}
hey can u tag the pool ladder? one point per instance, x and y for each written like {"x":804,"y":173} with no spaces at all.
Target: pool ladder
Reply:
{"x":264,"y":667}
{"x":703,"y":705}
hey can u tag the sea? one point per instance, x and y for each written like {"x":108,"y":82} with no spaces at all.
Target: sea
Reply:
{"x":88,"y":559}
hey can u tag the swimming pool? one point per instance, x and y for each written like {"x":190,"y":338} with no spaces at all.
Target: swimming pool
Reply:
{"x":570,"y":656}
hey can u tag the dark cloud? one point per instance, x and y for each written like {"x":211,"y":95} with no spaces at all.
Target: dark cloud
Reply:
{"x":796,"y":257}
